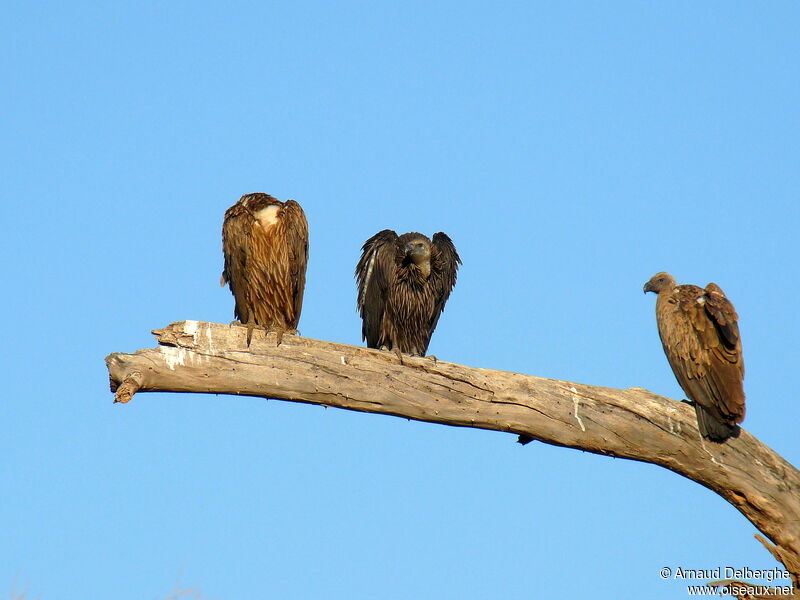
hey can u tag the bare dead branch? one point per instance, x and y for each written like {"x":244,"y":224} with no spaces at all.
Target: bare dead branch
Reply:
{"x":129,"y":386}
{"x":636,"y":424}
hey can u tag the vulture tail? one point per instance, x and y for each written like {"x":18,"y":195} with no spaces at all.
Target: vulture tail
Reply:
{"x":713,"y":429}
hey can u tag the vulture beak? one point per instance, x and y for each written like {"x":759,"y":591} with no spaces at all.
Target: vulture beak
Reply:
{"x":414,"y":251}
{"x":647,"y":287}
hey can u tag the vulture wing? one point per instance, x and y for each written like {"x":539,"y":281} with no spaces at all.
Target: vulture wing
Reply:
{"x":235,"y":247}
{"x":296,"y":228}
{"x":726,"y":362}
{"x":721,"y":311}
{"x":375,"y":272}
{"x":444,"y":268}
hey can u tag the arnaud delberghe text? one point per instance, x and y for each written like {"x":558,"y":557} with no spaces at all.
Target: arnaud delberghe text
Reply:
{"x":731,"y":573}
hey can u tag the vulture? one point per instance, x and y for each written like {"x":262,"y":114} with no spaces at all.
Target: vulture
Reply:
{"x":403,"y":284}
{"x":265,"y":243}
{"x":700,"y":334}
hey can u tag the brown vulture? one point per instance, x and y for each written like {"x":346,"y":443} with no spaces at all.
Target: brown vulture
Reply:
{"x":700,"y":334}
{"x":265,"y":243}
{"x":403,"y":284}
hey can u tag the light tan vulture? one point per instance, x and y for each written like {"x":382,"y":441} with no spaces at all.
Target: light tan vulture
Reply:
{"x":403,"y":284}
{"x":700,"y":334}
{"x":265,"y":243}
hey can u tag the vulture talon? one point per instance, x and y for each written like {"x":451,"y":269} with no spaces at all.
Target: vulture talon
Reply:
{"x":250,"y":328}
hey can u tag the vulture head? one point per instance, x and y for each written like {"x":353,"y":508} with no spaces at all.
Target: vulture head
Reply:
{"x":659,"y":282}
{"x":418,"y":251}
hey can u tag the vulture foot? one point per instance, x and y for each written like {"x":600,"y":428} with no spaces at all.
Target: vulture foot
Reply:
{"x":280,"y":331}
{"x":250,"y":328}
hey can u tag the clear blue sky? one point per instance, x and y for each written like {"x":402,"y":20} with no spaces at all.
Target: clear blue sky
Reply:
{"x":570,"y":150}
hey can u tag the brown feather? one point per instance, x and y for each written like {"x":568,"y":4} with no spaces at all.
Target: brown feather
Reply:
{"x":266,"y":253}
{"x":700,"y":335}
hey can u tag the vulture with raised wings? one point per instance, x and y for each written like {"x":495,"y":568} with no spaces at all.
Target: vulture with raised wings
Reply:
{"x":265,"y":243}
{"x":403,"y":284}
{"x":700,"y":333}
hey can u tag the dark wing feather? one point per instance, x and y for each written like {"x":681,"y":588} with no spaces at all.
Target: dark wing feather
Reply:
{"x":444,"y":267}
{"x":721,"y":311}
{"x":235,"y":246}
{"x":725,"y":353}
{"x":296,"y":228}
{"x":375,"y":272}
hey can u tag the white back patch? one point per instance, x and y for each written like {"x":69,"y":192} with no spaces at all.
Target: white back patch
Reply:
{"x":268,"y":216}
{"x":701,"y":300}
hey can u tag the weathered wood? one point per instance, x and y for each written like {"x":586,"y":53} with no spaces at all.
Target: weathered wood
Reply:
{"x":636,"y":424}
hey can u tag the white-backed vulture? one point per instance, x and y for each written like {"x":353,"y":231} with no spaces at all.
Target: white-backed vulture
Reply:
{"x":700,"y":333}
{"x":403,"y":284}
{"x":265,"y":243}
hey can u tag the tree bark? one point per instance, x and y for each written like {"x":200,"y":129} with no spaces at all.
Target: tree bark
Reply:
{"x":201,"y":357}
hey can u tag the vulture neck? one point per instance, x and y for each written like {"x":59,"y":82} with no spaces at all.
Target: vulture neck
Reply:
{"x":665,"y":300}
{"x":666,"y":291}
{"x":424,"y":268}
